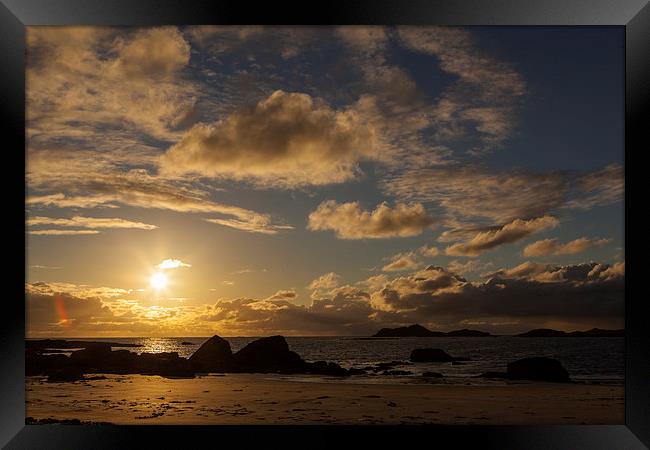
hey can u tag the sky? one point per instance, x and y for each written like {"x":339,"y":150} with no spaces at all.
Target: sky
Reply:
{"x":245,"y":181}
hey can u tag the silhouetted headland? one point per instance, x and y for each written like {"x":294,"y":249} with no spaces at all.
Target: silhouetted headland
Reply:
{"x":594,"y":332}
{"x":420,"y":331}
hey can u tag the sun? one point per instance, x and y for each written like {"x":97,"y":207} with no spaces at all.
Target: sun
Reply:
{"x":158,"y":281}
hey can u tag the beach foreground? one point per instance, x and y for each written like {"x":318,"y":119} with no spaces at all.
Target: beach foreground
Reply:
{"x":274,"y":399}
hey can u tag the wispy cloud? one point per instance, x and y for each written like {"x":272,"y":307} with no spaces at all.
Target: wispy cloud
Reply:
{"x":553,"y":246}
{"x":511,"y":232}
{"x":172,"y":264}
{"x":62,"y":232}
{"x":89,"y":222}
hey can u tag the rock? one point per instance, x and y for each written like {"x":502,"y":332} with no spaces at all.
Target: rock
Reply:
{"x":327,"y":368}
{"x":164,"y":364}
{"x":269,"y":354}
{"x":410,"y":331}
{"x":493,"y":375}
{"x":432,"y":375}
{"x":396,"y":372}
{"x":594,"y":332}
{"x":93,"y":357}
{"x":430,"y":355}
{"x":189,"y":343}
{"x":214,"y":355}
{"x":420,"y":331}
{"x":468,"y":333}
{"x":356,"y":371}
{"x":597,"y":332}
{"x":65,"y":374}
{"x":538,"y":368}
{"x":36,"y":364}
{"x":542,"y":332}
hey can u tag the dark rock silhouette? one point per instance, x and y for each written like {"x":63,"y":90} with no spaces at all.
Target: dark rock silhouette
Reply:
{"x":420,"y":331}
{"x":542,"y":332}
{"x":493,"y":375}
{"x":37,"y":364}
{"x":432,"y":375}
{"x":410,"y":331}
{"x":597,"y":332}
{"x":214,"y":355}
{"x":467,"y":333}
{"x":328,"y":368}
{"x":538,"y":368}
{"x":594,"y":332}
{"x":165,"y":364}
{"x":396,"y":372}
{"x":65,"y":374}
{"x":430,"y":355}
{"x":269,"y":354}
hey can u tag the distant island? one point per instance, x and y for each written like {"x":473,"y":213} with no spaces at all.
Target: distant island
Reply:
{"x":420,"y":331}
{"x":594,"y":332}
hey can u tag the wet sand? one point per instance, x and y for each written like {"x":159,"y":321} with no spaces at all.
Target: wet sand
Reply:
{"x":271,"y":399}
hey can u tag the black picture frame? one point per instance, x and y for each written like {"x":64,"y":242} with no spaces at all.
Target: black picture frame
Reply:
{"x":634,"y":15}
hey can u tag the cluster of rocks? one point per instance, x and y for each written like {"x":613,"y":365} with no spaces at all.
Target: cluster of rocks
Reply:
{"x":265,"y":355}
{"x":536,"y":368}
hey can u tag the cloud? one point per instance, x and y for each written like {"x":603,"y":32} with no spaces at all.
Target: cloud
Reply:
{"x":511,"y":232}
{"x":286,"y":140}
{"x":470,"y":193}
{"x":101,"y":184}
{"x":326,"y":281}
{"x":172,"y":264}
{"x":346,"y":312}
{"x":486,"y":93}
{"x":599,"y":188}
{"x":429,"y":251}
{"x":72,"y":74}
{"x":64,"y":309}
{"x":402,"y":262}
{"x":527,"y":296}
{"x":470,"y":266}
{"x":151,"y":53}
{"x":62,"y":232}
{"x":89,"y":222}
{"x":533,"y":296}
{"x":349,"y":221}
{"x":258,"y":224}
{"x":553,"y":246}
{"x":367,"y":39}
{"x":607,"y":272}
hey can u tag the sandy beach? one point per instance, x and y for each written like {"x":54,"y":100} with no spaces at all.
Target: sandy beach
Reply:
{"x":273,"y":399}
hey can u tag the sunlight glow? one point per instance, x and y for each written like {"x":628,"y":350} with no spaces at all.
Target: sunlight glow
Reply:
{"x":158,"y":281}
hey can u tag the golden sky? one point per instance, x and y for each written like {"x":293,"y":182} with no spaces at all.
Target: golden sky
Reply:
{"x":187,"y":181}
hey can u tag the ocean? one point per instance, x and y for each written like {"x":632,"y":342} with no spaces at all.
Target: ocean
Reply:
{"x":586,"y":359}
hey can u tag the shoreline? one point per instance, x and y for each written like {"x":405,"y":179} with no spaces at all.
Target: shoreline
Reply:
{"x":276,"y":399}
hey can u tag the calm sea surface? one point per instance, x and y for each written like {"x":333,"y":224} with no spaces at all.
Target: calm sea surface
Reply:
{"x":594,"y":359}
